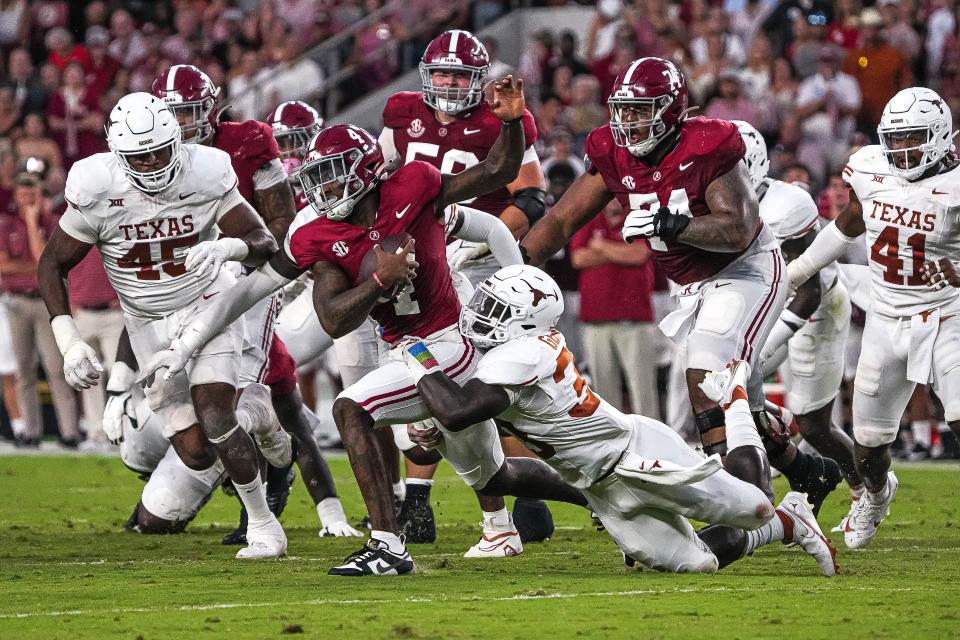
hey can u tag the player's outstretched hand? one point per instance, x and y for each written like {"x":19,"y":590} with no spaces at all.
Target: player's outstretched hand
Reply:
{"x":638,"y":224}
{"x":396,"y":269}
{"x":81,"y":368}
{"x":507,"y":102}
{"x":174,"y":358}
{"x":940,"y":274}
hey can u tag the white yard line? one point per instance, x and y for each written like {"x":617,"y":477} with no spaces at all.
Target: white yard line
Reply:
{"x":358,"y":601}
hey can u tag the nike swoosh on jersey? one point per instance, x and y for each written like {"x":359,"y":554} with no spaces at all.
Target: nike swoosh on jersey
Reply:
{"x":402,"y":212}
{"x":939,"y":193}
{"x":470,"y":132}
{"x":207,"y":296}
{"x":685,"y":165}
{"x":184,"y":197}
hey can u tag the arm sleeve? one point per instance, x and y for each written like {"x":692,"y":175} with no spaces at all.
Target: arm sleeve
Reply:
{"x":230,"y":306}
{"x":477,"y":226}
{"x":268,"y":175}
{"x":389,"y":147}
{"x":829,"y":245}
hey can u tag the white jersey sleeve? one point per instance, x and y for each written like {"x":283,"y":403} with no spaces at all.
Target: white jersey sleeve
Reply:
{"x":389,"y":147}
{"x":788,"y":210}
{"x":518,"y":363}
{"x":88,"y":183}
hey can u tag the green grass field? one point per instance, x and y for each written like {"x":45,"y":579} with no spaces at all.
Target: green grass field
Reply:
{"x":69,"y":570}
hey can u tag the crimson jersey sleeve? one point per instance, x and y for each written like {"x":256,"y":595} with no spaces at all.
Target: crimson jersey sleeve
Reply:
{"x":721,"y":142}
{"x":529,"y":129}
{"x":400,"y":109}
{"x":250,"y":145}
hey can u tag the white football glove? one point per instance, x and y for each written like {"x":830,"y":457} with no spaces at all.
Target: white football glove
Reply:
{"x":207,"y":257}
{"x":174,"y":359}
{"x":639,"y":224}
{"x":333,"y":520}
{"x":81,"y":367}
{"x":462,"y":251}
{"x":119,"y":385}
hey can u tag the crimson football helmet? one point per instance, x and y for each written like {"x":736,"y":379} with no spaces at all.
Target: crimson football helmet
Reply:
{"x":342,"y":155}
{"x":294,"y":123}
{"x":193,"y":97}
{"x":454,"y":51}
{"x":647,"y":102}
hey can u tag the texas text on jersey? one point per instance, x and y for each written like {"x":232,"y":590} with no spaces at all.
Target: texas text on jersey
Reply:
{"x":706,"y":150}
{"x":407,"y":204}
{"x":453,"y":147}
{"x":144,"y":238}
{"x":907,"y":223}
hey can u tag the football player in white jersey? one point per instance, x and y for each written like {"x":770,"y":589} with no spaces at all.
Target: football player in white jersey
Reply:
{"x":905,"y":197}
{"x":154,"y":208}
{"x":810,"y":335}
{"x":640,"y":477}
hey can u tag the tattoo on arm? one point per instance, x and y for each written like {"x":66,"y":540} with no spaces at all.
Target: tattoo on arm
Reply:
{"x":734,"y":215}
{"x":340,"y":308}
{"x":275,"y":204}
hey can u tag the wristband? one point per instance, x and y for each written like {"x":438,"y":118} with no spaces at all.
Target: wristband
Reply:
{"x":65,"y":332}
{"x":376,"y":278}
{"x":420,"y":361}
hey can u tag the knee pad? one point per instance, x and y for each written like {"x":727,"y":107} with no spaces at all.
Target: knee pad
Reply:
{"x":874,"y":435}
{"x":712,"y":427}
{"x":708,"y":564}
{"x":165,"y":502}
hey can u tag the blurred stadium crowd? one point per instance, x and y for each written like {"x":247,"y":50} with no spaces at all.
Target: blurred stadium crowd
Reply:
{"x":811,"y":75}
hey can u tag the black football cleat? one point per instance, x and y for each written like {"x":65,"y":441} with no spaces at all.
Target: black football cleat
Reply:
{"x":818,"y":478}
{"x":416,"y":521}
{"x":374,"y":558}
{"x":532,"y":519}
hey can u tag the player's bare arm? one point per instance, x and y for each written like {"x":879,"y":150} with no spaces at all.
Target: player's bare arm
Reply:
{"x":242,"y":222}
{"x":62,"y":253}
{"x":734,"y":215}
{"x":342,"y":308}
{"x":585,"y":198}
{"x":807,"y":298}
{"x":502,"y":164}
{"x":459,"y":407}
{"x":276,"y":205}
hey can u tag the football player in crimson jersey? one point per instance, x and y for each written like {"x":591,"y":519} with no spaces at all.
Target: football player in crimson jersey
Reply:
{"x":690,"y":197}
{"x":256,"y":159}
{"x":411,"y":295}
{"x":449,"y":125}
{"x":294,"y":124}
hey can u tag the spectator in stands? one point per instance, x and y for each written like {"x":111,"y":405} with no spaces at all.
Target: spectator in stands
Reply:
{"x":180,"y":47}
{"x":626,"y":50}
{"x":731,"y":102}
{"x":616,"y":283}
{"x":22,"y":239}
{"x":561,"y":85}
{"x":899,"y":31}
{"x":49,"y":80}
{"x":844,"y":29}
{"x":100,"y":323}
{"x":35,"y":143}
{"x":295,"y":78}
{"x":704,"y":76}
{"x":48,"y":14}
{"x":810,"y":38}
{"x":733,"y":52}
{"x":30,"y":93}
{"x":601,"y":34}
{"x":534,"y":64}
{"x":827,"y":104}
{"x":498,"y":68}
{"x":62,"y":49}
{"x":10,"y":115}
{"x":248,"y":91}
{"x":585,"y":113}
{"x":127,"y":46}
{"x":14,"y":23}
{"x":941,"y":23}
{"x":8,"y":175}
{"x":561,"y":152}
{"x":547,"y":116}
{"x":745,"y":22}
{"x":75,"y":117}
{"x":102,"y":66}
{"x":878,"y":67}
{"x":567,"y":55}
{"x":798,"y":174}
{"x":96,"y":14}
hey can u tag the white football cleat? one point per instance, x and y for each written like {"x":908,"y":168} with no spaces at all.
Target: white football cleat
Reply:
{"x":264,"y":541}
{"x":720,"y":385}
{"x":806,"y":532}
{"x":871,"y":509}
{"x":496,"y":544}
{"x":854,"y":499}
{"x":274,"y":443}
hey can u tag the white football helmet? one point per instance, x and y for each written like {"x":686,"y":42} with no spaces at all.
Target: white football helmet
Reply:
{"x":758,"y":164}
{"x":516,"y":301}
{"x":141,"y":125}
{"x":914,"y":111}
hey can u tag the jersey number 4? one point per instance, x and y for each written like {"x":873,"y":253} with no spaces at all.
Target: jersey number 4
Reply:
{"x":886,"y":251}
{"x":144,"y":257}
{"x":678,"y":203}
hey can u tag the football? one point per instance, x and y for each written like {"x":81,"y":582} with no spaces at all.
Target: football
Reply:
{"x":390,"y":244}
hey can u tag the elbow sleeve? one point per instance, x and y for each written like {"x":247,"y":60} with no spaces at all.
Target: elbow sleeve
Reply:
{"x":532,"y":201}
